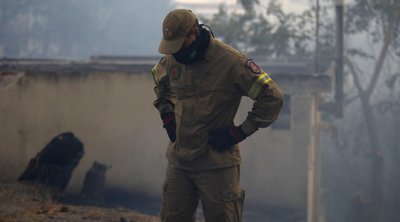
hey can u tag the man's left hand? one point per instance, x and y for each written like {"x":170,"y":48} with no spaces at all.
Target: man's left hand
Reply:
{"x":224,"y":138}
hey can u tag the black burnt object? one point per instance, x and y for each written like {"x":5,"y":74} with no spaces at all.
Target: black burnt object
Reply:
{"x":53,"y":166}
{"x":95,"y":180}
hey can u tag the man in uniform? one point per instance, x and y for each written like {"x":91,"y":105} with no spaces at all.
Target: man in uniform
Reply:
{"x":199,"y":84}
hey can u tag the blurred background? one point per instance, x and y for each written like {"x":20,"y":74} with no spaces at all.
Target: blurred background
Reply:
{"x":333,"y":155}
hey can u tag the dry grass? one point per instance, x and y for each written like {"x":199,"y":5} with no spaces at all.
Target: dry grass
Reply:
{"x":26,"y":202}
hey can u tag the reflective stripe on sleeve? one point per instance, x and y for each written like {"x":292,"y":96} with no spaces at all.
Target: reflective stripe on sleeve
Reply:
{"x":261,"y":81}
{"x":154,"y":70}
{"x":154,"y":73}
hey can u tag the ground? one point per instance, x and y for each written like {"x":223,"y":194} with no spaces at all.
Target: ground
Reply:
{"x":24,"y":202}
{"x":21,"y":202}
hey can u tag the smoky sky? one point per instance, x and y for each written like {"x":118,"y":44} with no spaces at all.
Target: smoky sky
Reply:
{"x":79,"y":29}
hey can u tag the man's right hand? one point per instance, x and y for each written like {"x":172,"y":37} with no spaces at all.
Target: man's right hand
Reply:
{"x":168,"y":119}
{"x":224,"y":138}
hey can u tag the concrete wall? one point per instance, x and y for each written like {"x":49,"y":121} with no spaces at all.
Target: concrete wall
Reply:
{"x":113,"y":115}
{"x":274,"y":165}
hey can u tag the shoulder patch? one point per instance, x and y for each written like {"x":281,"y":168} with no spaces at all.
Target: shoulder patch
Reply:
{"x":175,"y":72}
{"x":253,"y":67}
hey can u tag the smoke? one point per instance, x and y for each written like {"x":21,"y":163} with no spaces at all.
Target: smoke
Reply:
{"x":78,"y":29}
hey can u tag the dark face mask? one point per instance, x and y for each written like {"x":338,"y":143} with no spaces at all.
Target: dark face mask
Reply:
{"x":196,"y":50}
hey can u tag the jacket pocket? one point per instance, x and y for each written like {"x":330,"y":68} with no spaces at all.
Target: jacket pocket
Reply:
{"x":233,"y":195}
{"x":235,"y":199}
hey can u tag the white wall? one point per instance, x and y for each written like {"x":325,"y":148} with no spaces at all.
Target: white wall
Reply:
{"x":113,"y":115}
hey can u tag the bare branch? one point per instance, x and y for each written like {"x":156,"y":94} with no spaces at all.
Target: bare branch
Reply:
{"x":350,"y":100}
{"x":353,"y":71}
{"x":378,"y":66}
{"x":388,"y":34}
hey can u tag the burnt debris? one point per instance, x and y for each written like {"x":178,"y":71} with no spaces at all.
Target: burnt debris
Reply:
{"x":95,"y":180}
{"x":53,"y":166}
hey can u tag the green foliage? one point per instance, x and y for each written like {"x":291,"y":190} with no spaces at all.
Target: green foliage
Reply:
{"x":249,"y":4}
{"x":273,"y":33}
{"x":379,"y":19}
{"x":364,"y":13}
{"x":269,"y":33}
{"x":260,"y":37}
{"x":234,"y":27}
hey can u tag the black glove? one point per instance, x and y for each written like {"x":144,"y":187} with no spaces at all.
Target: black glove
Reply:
{"x":224,"y":138}
{"x":169,"y":122}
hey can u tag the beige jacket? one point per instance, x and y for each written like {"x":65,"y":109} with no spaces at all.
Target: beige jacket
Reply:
{"x":206,"y":96}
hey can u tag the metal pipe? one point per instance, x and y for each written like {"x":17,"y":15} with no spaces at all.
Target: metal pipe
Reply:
{"x":339,"y":95}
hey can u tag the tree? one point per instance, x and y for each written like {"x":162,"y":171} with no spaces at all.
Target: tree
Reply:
{"x":269,"y":32}
{"x":381,"y":20}
{"x":233,"y":29}
{"x":368,"y":64}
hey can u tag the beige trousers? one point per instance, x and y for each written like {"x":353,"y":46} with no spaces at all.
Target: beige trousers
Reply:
{"x":218,"y":190}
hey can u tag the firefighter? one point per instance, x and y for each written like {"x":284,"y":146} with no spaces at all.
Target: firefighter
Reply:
{"x":199,"y":84}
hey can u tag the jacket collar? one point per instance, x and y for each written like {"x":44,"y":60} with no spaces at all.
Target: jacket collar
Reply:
{"x":210,"y":50}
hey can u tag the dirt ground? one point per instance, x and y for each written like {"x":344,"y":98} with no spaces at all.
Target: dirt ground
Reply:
{"x":20,"y":202}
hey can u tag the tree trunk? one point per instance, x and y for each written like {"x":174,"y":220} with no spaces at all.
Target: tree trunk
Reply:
{"x":377,"y":174}
{"x":377,"y":161}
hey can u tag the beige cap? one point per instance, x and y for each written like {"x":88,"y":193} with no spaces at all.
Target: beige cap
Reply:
{"x":176,"y":27}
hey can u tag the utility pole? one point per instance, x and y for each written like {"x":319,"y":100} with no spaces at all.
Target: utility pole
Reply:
{"x":314,"y":210}
{"x":313,"y":164}
{"x":313,"y":161}
{"x":339,"y":59}
{"x":316,"y":64}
